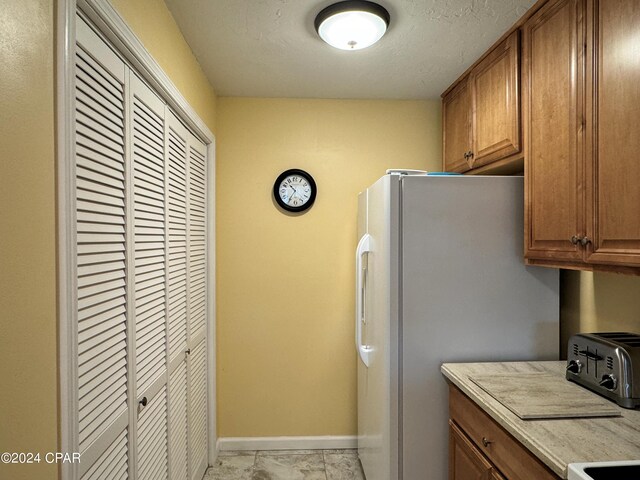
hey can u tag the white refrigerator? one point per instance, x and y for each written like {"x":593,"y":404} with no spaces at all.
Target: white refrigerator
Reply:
{"x":440,"y":277}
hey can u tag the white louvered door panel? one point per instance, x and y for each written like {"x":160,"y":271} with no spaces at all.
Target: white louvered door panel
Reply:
{"x":198,"y":411}
{"x":102,"y":368}
{"x":178,"y":456}
{"x":177,"y":136}
{"x":197,"y":237}
{"x":152,"y":438}
{"x":147,"y":141}
{"x":196,"y":289}
{"x":176,"y":179}
{"x":148,"y":172}
{"x":109,"y":465}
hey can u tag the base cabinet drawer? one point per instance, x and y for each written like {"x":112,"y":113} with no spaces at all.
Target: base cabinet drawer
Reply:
{"x":481,"y":449}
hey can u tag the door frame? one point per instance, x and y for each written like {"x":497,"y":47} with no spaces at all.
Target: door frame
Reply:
{"x":110,"y":24}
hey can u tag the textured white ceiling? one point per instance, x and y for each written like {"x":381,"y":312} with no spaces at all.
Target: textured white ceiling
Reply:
{"x":269,"y":48}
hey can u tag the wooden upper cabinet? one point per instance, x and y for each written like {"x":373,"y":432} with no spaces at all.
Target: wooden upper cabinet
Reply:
{"x":456,"y":132}
{"x":614,"y":167}
{"x":481,"y":113}
{"x":581,"y":111}
{"x":553,"y":111}
{"x":496,"y":104}
{"x":579,"y":114}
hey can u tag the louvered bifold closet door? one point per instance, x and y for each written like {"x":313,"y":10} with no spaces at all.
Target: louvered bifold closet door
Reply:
{"x":149,"y":282}
{"x":103,"y":414}
{"x":176,"y":178}
{"x":140,"y":196}
{"x":197,"y":364}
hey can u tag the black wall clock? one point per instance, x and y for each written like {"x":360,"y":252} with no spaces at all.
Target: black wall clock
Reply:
{"x":294,"y":190}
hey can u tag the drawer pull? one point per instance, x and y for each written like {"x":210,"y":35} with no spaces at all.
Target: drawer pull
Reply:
{"x":486,"y":442}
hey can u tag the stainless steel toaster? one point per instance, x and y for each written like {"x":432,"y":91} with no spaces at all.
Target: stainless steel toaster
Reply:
{"x":607,"y":363}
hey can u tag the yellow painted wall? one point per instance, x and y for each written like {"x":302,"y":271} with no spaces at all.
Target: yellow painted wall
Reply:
{"x":598,"y":302}
{"x":28,"y":390}
{"x":286,"y":358}
{"x":154,"y":25}
{"x":28,"y":325}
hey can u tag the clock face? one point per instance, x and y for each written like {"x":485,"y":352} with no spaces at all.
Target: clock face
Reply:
{"x":294,"y":190}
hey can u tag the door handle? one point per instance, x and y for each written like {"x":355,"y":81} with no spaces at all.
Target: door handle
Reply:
{"x":364,"y":246}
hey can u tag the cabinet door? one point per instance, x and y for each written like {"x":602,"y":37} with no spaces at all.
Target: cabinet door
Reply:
{"x":553,"y":94}
{"x":614,"y":197}
{"x":456,"y":128}
{"x":496,"y":104}
{"x":465,"y":461}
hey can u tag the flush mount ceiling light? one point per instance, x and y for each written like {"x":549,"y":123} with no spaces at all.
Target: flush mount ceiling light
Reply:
{"x":353,"y":24}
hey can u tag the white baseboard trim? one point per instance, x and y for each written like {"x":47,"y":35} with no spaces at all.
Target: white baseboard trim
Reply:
{"x":225,"y":444}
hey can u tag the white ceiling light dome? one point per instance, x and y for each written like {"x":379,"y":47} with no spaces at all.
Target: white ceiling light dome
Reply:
{"x":352,"y":24}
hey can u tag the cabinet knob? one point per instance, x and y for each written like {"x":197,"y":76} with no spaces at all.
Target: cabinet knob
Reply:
{"x":575,"y":240}
{"x":188,"y":351}
{"x":486,"y":442}
{"x":584,"y":241}
{"x":143,"y":402}
{"x":466,"y":155}
{"x":470,"y":154}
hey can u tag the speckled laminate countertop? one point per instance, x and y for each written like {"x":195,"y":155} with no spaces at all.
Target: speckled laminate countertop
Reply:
{"x":556,"y":442}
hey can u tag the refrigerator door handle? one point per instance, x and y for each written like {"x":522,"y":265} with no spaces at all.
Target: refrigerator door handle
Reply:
{"x":364,"y":246}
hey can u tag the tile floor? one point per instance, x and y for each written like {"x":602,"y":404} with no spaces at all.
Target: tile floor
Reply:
{"x":287,"y":465}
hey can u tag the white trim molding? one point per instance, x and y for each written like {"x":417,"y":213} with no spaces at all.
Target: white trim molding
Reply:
{"x":66,"y":230}
{"x":328,"y":442}
{"x":211,"y":300}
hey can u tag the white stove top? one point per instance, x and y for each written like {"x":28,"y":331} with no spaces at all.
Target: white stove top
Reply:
{"x":576,"y":470}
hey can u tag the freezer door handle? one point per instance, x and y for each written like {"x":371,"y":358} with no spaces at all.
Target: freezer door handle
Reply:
{"x":364,"y":246}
